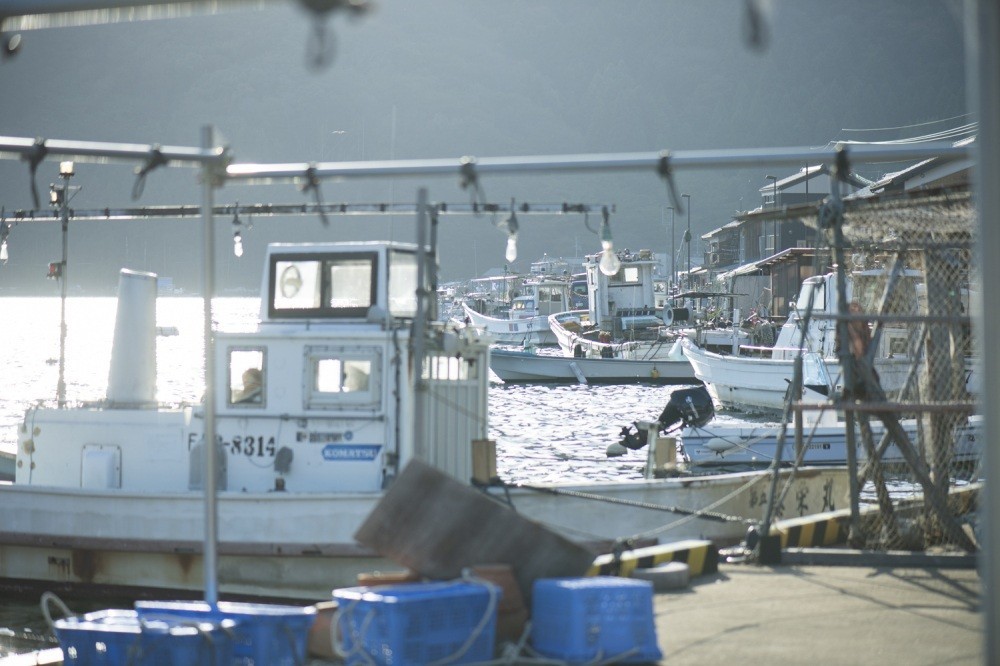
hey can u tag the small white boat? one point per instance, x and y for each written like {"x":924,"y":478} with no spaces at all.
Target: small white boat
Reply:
{"x":527,"y":321}
{"x":757,"y":379}
{"x":702,"y":442}
{"x":522,"y":367}
{"x":714,"y":445}
{"x":624,"y":318}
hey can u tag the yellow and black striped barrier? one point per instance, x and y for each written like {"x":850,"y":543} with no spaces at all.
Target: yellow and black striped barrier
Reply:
{"x":820,"y":529}
{"x":701,"y":556}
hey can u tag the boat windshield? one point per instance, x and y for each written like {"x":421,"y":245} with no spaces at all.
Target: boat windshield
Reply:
{"x":331,"y":286}
{"x":815,"y":289}
{"x":402,"y":284}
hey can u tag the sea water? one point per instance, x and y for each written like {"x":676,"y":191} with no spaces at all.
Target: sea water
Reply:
{"x":542,"y":432}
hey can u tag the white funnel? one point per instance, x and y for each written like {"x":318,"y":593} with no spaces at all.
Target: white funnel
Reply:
{"x":132,"y":380}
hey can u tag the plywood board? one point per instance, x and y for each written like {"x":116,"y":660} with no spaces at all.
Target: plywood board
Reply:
{"x":437,"y":526}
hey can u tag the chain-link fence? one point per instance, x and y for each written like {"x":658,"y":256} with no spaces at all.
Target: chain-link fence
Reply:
{"x":907,"y":359}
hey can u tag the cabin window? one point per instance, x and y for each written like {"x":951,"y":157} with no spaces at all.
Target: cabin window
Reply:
{"x":627,"y":275}
{"x":343,"y":378}
{"x":334,"y":375}
{"x":247,"y":386}
{"x":350,"y":283}
{"x":448,"y":368}
{"x":550,"y":294}
{"x":331,"y":286}
{"x":298,"y":285}
{"x":403,"y":284}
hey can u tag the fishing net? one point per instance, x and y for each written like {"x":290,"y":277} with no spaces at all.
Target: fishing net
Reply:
{"x":907,"y":381}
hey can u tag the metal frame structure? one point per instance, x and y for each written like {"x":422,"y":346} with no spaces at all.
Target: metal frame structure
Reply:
{"x":983,"y":64}
{"x":217,"y":171}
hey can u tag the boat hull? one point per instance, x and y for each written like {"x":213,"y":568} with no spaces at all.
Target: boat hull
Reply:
{"x":525,"y":332}
{"x":754,"y":384}
{"x":515,"y":367}
{"x":67,"y":538}
{"x":712,"y":446}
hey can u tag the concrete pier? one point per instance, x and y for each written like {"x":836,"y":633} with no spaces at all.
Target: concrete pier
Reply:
{"x":790,"y":614}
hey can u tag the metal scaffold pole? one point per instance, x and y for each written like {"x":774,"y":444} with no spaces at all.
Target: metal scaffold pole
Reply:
{"x":983,"y":58}
{"x":210,"y":559}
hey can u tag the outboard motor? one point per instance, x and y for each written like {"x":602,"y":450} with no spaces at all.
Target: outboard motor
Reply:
{"x":691,"y":407}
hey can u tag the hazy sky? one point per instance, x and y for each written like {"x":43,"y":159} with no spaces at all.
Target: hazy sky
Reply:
{"x":446,"y":78}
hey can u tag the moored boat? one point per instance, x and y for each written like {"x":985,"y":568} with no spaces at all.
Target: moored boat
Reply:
{"x":527,"y":321}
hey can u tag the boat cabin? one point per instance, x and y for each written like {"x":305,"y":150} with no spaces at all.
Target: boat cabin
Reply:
{"x":819,"y":293}
{"x":540,"y":298}
{"x":626,"y":301}
{"x":321,"y":397}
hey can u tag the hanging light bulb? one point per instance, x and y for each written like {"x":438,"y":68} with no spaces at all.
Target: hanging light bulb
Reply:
{"x":237,"y":236}
{"x":512,"y":226}
{"x":511,"y":254}
{"x":609,"y":263}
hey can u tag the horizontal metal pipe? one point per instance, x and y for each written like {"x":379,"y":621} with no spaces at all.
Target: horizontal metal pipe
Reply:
{"x":263,"y":210}
{"x":21,"y":147}
{"x":652,"y":161}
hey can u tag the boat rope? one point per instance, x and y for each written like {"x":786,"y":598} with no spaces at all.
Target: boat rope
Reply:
{"x":707,"y":513}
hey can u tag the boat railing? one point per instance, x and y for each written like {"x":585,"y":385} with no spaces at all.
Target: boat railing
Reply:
{"x":765,"y":351}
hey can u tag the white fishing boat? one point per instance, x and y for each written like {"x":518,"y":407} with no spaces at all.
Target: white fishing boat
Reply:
{"x":713,"y":445}
{"x":526,"y":323}
{"x":757,"y":379}
{"x":622,"y":337}
{"x":317,"y":411}
{"x":703,"y":442}
{"x":623,"y":319}
{"x":529,"y":367}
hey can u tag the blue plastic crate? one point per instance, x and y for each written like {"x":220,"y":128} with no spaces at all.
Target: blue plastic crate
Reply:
{"x":120,"y":638}
{"x":594,"y":619}
{"x":264,"y":635}
{"x":418,"y":623}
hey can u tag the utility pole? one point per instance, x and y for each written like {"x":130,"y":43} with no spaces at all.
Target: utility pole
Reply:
{"x":687,"y":236}
{"x":673,"y":250}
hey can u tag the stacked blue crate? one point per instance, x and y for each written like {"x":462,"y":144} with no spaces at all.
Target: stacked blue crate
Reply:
{"x":594,"y":619}
{"x":418,"y":623}
{"x":119,"y":637}
{"x":264,"y":635}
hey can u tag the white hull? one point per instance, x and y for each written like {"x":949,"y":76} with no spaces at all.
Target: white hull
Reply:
{"x":300,"y":546}
{"x":524,"y":332}
{"x":825,"y":445}
{"x":760,"y":384}
{"x":525,"y":367}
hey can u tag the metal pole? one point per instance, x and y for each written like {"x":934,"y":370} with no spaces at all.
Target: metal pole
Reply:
{"x":602,"y":162}
{"x":419,"y":331}
{"x":210,"y":560}
{"x":673,"y":250}
{"x":983,"y":57}
{"x":687,"y":237}
{"x":854,"y":533}
{"x":64,"y":215}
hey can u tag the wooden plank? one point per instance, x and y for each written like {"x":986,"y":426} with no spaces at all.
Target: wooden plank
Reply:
{"x":431,"y":523}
